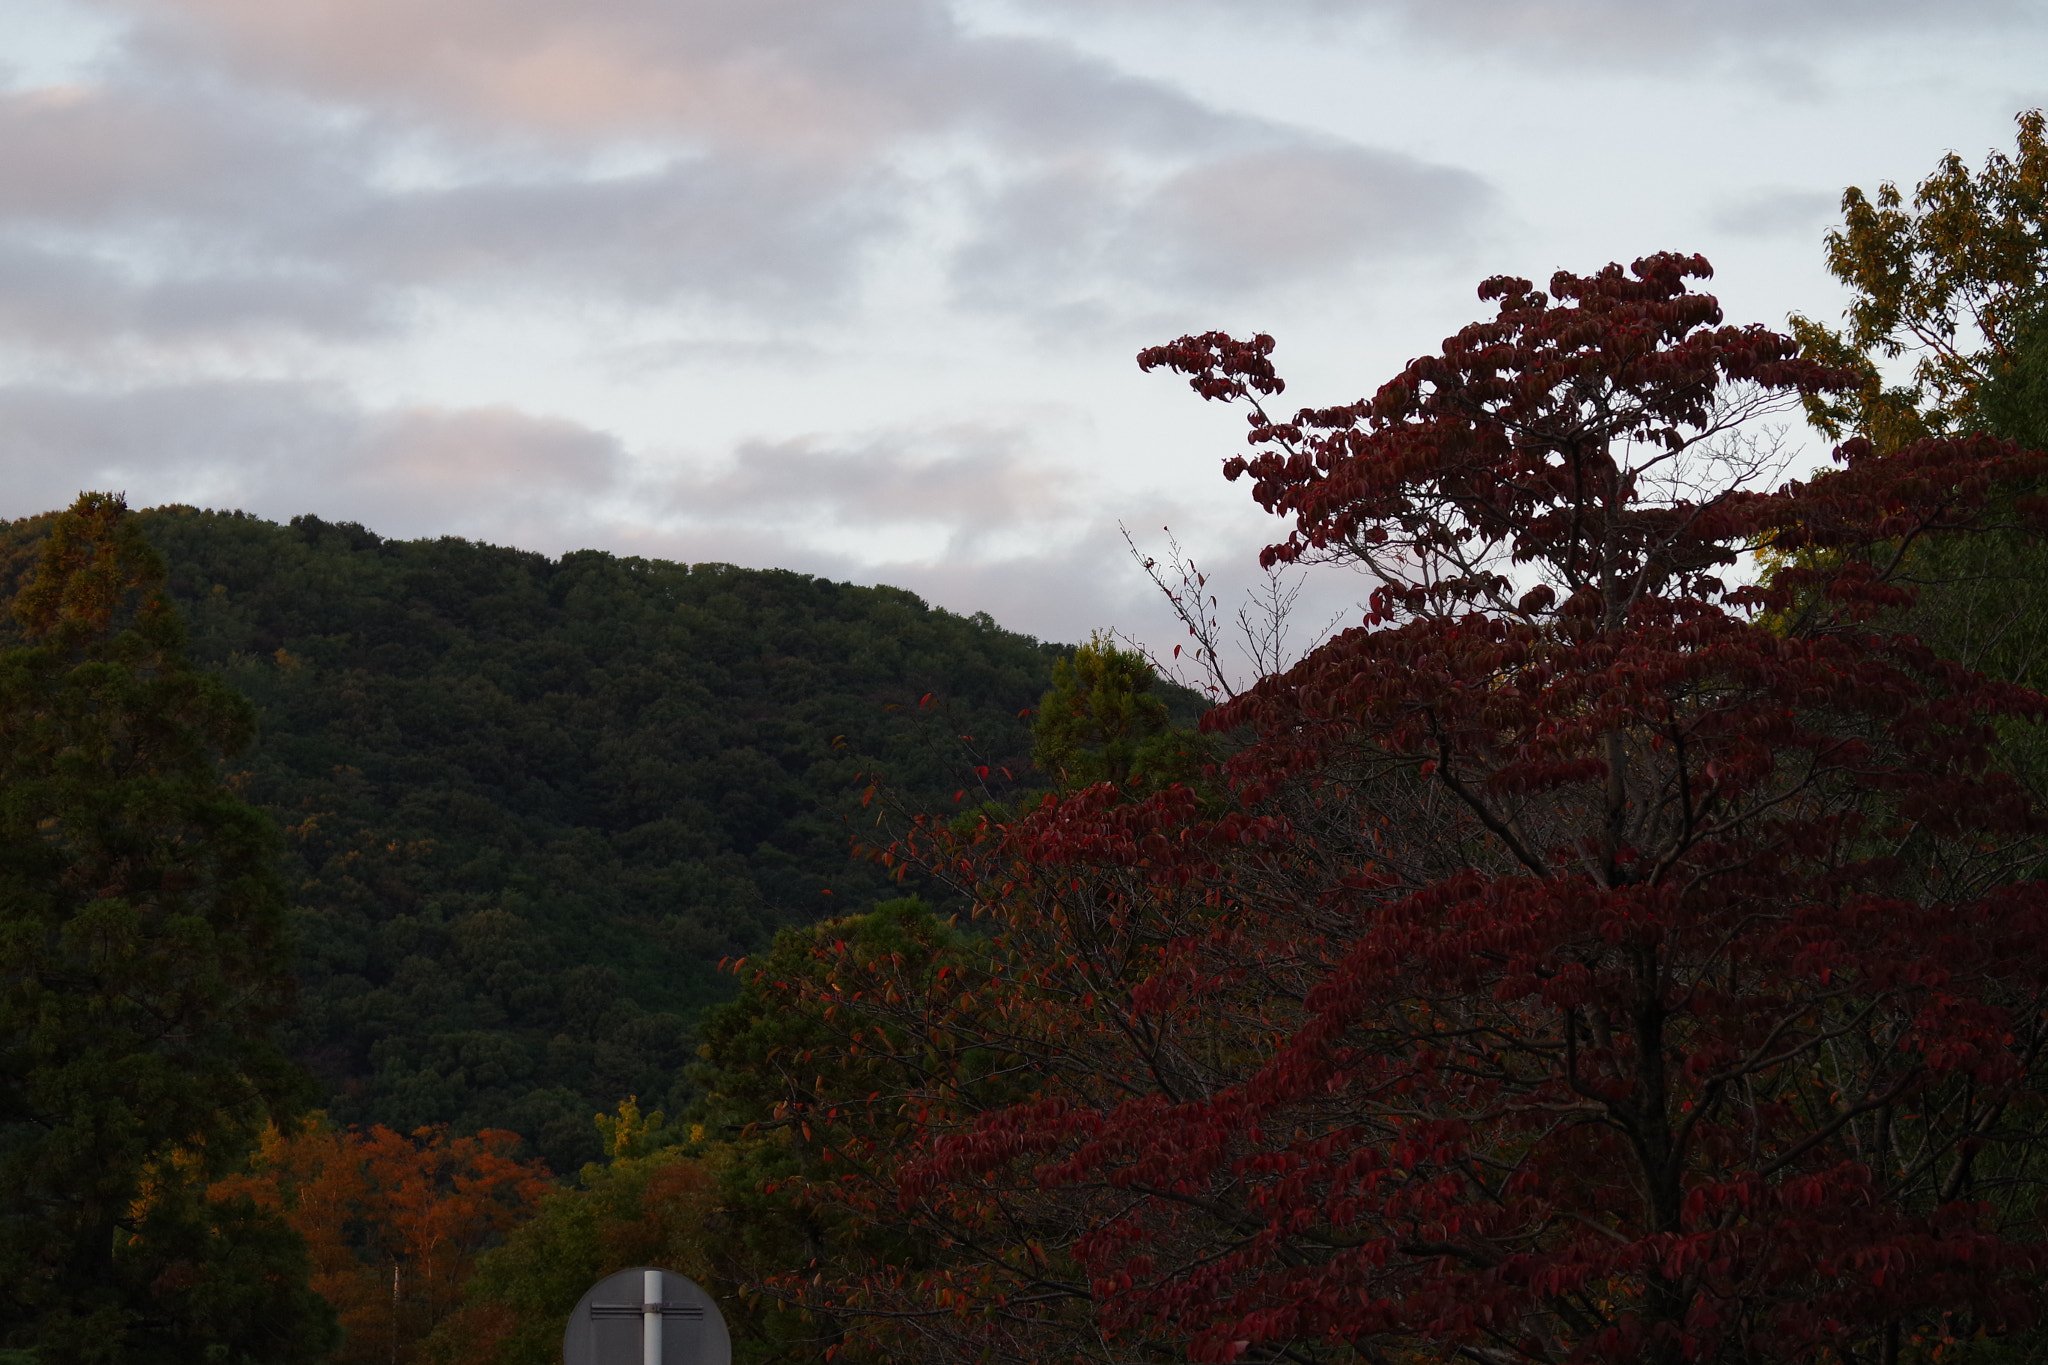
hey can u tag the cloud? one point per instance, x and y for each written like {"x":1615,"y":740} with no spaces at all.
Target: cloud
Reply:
{"x":806,"y":78}
{"x":1072,"y":579}
{"x":239,"y":189}
{"x":281,"y":448}
{"x":1060,"y":589}
{"x":1598,"y":32}
{"x":142,"y":213}
{"x":973,"y":518}
{"x":81,"y":155}
{"x":710,"y":227}
{"x":1674,"y":30}
{"x":1078,"y":236}
{"x":1064,"y":577}
{"x":1260,"y":217}
{"x":965,"y":515}
{"x":441,"y":463}
{"x":168,"y":213}
{"x":99,"y":303}
{"x":243,"y":173}
{"x":955,"y":488}
{"x":176,"y":443}
{"x":1777,"y":213}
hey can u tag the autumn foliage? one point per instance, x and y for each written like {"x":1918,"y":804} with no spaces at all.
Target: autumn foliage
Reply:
{"x":1609,"y":953}
{"x":394,"y":1223}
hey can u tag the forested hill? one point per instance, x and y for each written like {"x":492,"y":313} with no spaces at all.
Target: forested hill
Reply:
{"x":528,"y":804}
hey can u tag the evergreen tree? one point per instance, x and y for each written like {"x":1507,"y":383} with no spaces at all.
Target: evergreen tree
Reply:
{"x":142,"y":967}
{"x":1104,"y":722}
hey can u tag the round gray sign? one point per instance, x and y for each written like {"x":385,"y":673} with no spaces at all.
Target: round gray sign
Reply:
{"x":646,"y":1316}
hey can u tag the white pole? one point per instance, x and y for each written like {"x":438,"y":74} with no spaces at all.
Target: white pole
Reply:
{"x":650,"y":1320}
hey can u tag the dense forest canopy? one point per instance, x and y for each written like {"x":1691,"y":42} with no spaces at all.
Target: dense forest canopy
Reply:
{"x":529,"y":804}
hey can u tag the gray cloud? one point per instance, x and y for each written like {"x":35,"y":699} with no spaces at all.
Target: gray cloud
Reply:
{"x":1678,"y":31}
{"x":163,"y":211}
{"x":172,"y":443}
{"x":278,"y":449}
{"x":1065,"y":578}
{"x":247,"y":173}
{"x":720,"y":227}
{"x":1060,"y":589}
{"x":82,"y":156}
{"x":93,"y":298}
{"x":972,"y":517}
{"x":1259,"y":217}
{"x":1072,"y":577}
{"x":809,"y":78}
{"x":1777,"y":213}
{"x":168,"y":214}
{"x":969,"y":482}
{"x":1251,"y":219}
{"x":1582,"y":32}
{"x":318,"y":166}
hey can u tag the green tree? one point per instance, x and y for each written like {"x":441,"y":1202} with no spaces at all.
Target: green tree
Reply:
{"x":808,"y":1077}
{"x":648,"y":1203}
{"x":1957,"y":282}
{"x":143,"y":967}
{"x":1954,"y":282}
{"x":1103,"y":721}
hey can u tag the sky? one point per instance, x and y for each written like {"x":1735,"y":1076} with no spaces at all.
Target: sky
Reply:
{"x":854,"y":287}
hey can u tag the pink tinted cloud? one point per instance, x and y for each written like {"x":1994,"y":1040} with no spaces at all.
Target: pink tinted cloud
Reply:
{"x":969,"y":481}
{"x":790,"y":77}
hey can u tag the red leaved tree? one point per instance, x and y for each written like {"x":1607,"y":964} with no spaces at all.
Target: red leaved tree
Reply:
{"x":1603,"y":955}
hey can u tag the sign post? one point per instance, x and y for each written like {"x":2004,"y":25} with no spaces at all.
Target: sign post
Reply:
{"x":650,"y":1319}
{"x":646,"y":1316}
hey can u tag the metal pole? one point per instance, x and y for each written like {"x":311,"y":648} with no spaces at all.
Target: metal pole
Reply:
{"x":650,"y":1319}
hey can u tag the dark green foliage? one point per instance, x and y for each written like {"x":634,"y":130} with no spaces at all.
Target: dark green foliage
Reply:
{"x":2014,"y":404}
{"x":143,"y":966}
{"x":1984,"y":598}
{"x":726,"y":1197}
{"x":762,"y":1070}
{"x":218,"y":1282}
{"x":529,"y":804}
{"x":795,"y":1108}
{"x":1107,"y":719}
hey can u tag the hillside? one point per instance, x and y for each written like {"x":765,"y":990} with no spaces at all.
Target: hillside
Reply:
{"x":528,"y":804}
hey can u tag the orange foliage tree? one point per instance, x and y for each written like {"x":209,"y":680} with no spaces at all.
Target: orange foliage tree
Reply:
{"x":394,"y":1223}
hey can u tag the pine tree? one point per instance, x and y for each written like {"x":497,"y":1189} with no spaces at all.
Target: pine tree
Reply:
{"x":1103,"y":722}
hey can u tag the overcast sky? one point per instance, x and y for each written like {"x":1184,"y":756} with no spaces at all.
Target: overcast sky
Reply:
{"x":853,"y":286}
